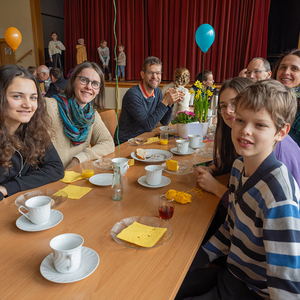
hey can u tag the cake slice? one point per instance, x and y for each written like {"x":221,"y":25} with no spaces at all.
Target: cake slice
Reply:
{"x":172,"y":165}
{"x":140,"y":153}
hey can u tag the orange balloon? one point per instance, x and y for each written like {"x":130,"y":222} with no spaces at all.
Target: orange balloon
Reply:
{"x":13,"y":37}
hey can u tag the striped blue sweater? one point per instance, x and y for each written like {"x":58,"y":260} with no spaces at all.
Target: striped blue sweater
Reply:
{"x":261,"y":234}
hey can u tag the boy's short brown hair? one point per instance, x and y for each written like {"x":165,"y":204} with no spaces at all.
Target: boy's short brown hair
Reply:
{"x":273,"y":96}
{"x":122,"y":46}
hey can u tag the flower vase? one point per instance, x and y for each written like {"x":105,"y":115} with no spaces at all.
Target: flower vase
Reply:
{"x":204,"y":128}
{"x":182,"y":130}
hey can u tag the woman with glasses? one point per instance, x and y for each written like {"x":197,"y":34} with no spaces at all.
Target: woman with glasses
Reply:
{"x":286,"y":151}
{"x":287,"y":71}
{"x":77,"y":122}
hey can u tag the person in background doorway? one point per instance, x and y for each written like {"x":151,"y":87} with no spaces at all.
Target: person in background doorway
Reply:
{"x":54,"y":48}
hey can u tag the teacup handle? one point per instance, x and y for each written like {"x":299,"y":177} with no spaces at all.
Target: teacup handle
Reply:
{"x":22,"y":212}
{"x":70,"y":258}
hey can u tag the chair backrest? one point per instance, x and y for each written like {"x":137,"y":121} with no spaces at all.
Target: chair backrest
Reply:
{"x":109,"y":119}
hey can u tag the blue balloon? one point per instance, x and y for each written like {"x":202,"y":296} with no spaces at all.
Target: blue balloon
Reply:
{"x":205,"y":36}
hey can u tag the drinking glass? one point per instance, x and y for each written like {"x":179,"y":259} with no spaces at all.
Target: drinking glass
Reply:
{"x":164,"y":138}
{"x":87,"y":169}
{"x":166,"y":207}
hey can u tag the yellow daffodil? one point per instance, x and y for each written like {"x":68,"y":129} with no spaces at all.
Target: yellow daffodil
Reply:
{"x":192,"y":92}
{"x":209,"y":93}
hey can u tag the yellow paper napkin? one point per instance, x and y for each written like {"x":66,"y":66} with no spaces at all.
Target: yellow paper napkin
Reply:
{"x":71,"y":176}
{"x":152,"y":140}
{"x":74,"y":192}
{"x":142,"y":235}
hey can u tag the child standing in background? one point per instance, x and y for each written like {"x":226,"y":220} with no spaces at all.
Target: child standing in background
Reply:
{"x":103,"y":51}
{"x":55,"y":47}
{"x":81,"y":55}
{"x":121,"y":62}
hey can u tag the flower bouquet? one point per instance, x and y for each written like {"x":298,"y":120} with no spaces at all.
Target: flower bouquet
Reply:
{"x":185,"y":117}
{"x":201,"y":103}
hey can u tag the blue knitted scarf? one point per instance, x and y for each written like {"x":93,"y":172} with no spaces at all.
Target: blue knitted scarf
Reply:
{"x":77,"y":121}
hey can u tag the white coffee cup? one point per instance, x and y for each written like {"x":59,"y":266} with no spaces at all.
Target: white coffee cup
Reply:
{"x":66,"y":249}
{"x":122,"y":163}
{"x":182,"y":146}
{"x":153,"y":174}
{"x":38,"y":208}
{"x":194,"y":140}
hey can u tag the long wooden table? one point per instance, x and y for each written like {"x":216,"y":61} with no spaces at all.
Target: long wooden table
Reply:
{"x":123,"y":273}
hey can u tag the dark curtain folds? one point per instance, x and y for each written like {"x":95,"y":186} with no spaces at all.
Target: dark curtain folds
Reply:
{"x":166,"y":29}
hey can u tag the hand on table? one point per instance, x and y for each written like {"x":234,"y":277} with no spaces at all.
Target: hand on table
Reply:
{"x":172,"y":96}
{"x":75,"y":161}
{"x":208,"y":182}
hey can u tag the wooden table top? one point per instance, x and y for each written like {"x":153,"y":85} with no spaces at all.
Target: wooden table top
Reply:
{"x":123,"y":273}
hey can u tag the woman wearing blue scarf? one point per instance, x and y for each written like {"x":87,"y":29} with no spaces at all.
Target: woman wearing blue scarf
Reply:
{"x":77,"y":122}
{"x":287,"y":71}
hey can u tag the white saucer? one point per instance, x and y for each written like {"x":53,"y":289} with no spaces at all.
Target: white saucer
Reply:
{"x":89,"y":263}
{"x":199,"y":146}
{"x":104,"y":179}
{"x":55,"y":218}
{"x":164,"y":181}
{"x":174,"y":150}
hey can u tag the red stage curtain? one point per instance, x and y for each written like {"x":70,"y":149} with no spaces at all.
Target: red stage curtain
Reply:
{"x":166,"y":29}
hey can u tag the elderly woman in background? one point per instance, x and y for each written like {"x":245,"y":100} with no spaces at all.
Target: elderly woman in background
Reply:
{"x":287,"y":71}
{"x":76,"y":119}
{"x":181,"y":79}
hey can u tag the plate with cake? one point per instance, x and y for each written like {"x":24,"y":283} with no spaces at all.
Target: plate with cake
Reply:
{"x":151,"y":155}
{"x":178,"y":168}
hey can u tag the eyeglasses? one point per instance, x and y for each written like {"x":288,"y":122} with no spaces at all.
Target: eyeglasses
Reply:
{"x":150,"y":73}
{"x":85,"y":81}
{"x":256,"y":72}
{"x":223,"y":107}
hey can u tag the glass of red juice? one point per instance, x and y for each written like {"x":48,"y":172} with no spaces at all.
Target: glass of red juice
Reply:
{"x":166,"y":207}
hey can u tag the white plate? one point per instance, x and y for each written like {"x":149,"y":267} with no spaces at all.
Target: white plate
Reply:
{"x":146,"y":220}
{"x":104,"y":179}
{"x":168,"y":129}
{"x":104,"y":164}
{"x":56,"y":200}
{"x":185,"y":168}
{"x":55,"y":218}
{"x":190,"y":151}
{"x":201,"y":145}
{"x":89,"y":263}
{"x":203,"y":153}
{"x":164,"y":181}
{"x":137,"y":141}
{"x":154,"y":155}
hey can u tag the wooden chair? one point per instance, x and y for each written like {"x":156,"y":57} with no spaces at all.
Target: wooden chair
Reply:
{"x":109,"y":119}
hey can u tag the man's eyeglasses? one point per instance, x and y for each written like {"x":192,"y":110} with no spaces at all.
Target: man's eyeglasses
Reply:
{"x":85,"y":81}
{"x":256,"y":72}
{"x":223,"y":107}
{"x":150,"y":73}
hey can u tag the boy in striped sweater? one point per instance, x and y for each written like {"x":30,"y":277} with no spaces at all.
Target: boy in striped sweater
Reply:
{"x":261,"y":233}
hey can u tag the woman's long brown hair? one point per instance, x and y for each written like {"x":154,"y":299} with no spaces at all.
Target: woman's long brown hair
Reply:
{"x":30,"y":139}
{"x":224,"y":152}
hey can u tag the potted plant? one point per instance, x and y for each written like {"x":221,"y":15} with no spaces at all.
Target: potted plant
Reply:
{"x":201,"y":103}
{"x":183,"y":119}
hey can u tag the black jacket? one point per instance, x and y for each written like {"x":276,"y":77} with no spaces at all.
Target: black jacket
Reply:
{"x":57,"y":87}
{"x":51,"y":169}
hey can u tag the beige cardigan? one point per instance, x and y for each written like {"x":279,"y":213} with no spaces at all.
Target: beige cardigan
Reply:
{"x":99,"y":135}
